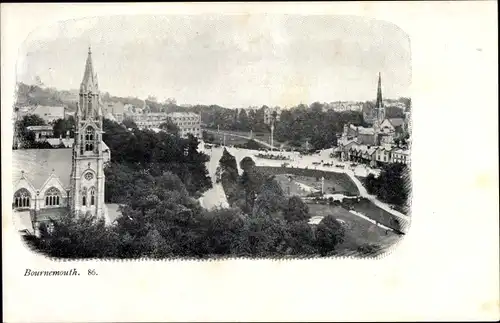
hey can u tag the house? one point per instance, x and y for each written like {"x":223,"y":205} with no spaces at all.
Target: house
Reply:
{"x":49,"y":113}
{"x":116,"y":109}
{"x":362,"y":154}
{"x":269,"y":114}
{"x":394,"y":125}
{"x":383,"y":155}
{"x":401,"y":156}
{"x":187,"y":122}
{"x":41,"y":132}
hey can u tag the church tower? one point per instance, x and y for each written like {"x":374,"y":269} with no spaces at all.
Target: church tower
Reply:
{"x":87,"y":174}
{"x":379,"y":106}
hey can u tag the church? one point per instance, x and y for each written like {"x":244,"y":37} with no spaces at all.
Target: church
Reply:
{"x":371,"y":145}
{"x":49,"y":183}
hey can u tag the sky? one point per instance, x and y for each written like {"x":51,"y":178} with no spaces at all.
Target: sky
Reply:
{"x":233,"y":61}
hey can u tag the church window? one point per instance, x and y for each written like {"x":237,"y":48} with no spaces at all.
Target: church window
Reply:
{"x":84,"y":196}
{"x":89,"y":176}
{"x":92,"y":196}
{"x":22,"y":198}
{"x":52,"y":197}
{"x":89,"y":138}
{"x":89,"y":134}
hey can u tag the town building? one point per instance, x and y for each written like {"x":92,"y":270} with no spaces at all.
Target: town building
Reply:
{"x":148,"y":120}
{"x":401,"y":156}
{"x":49,"y":183}
{"x":187,"y":122}
{"x":47,"y":113}
{"x":270,"y":113}
{"x":373,"y":145}
{"x":41,"y":132}
{"x":114,"y":109}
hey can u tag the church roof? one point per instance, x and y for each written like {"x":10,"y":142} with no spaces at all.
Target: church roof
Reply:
{"x":366,"y":131}
{"x":397,"y":122}
{"x":38,"y":164}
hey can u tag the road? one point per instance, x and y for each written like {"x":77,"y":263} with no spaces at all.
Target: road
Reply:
{"x":214,"y":197}
{"x":240,"y":136}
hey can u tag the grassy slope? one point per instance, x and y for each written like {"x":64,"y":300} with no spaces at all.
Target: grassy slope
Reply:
{"x":342,"y":182}
{"x":359,"y":231}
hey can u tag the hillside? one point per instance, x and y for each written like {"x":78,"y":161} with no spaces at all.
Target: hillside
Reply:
{"x":37,"y":95}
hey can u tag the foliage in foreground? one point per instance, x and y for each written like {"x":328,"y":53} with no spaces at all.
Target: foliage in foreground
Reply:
{"x":173,"y":224}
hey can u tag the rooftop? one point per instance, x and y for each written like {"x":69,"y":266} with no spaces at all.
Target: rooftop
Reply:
{"x":38,"y":164}
{"x":40,"y":128}
{"x":396,"y":122}
{"x":183,"y":114}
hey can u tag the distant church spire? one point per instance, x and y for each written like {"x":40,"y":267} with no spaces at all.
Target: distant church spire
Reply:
{"x":379,"y":105}
{"x":379,"y":93}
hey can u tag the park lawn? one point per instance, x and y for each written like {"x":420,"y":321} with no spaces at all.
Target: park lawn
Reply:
{"x":358,"y":230}
{"x":372,"y":211}
{"x":331,"y":186}
{"x":290,"y":187}
{"x":340,"y":181}
{"x":262,"y":136}
{"x":230,"y":140}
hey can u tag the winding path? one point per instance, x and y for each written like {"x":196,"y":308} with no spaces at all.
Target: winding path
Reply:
{"x":214,"y":197}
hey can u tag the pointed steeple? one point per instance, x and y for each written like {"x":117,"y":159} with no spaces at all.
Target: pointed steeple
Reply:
{"x":88,"y":81}
{"x":379,"y":93}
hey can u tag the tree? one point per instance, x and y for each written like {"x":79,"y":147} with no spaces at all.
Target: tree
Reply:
{"x":224,"y":230}
{"x":391,"y":185}
{"x":247,"y":164}
{"x":157,"y":153}
{"x":244,"y":123}
{"x":270,"y":200}
{"x":26,"y":137}
{"x":129,"y":123}
{"x":296,"y":210}
{"x":228,"y":164}
{"x":63,"y":127}
{"x":170,"y":127}
{"x":329,"y":234}
{"x":266,"y":236}
{"x":300,"y":238}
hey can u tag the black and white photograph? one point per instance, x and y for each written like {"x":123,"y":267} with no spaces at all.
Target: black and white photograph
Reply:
{"x":213,"y":136}
{"x":249,"y":162}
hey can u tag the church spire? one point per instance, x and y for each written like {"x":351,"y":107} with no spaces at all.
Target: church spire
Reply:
{"x":88,"y":81}
{"x":379,"y":93}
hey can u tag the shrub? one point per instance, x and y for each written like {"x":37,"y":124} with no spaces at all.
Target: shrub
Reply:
{"x":329,"y":234}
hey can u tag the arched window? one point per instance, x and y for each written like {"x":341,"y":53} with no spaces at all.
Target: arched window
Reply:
{"x":92,"y":196}
{"x":89,"y":139}
{"x":89,"y":134}
{"x":22,"y":198}
{"x":84,"y":196}
{"x":52,"y":197}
